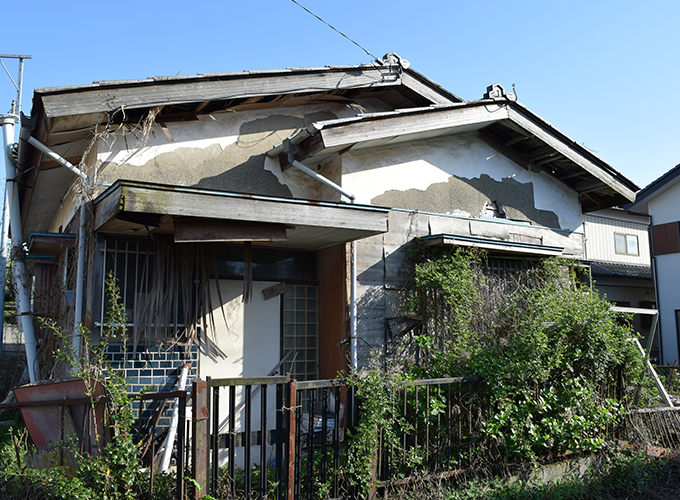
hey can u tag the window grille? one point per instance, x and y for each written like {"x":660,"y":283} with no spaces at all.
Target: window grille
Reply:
{"x":132,"y":263}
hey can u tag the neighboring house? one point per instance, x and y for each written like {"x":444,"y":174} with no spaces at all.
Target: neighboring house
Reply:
{"x":617,"y":247}
{"x":661,"y":200}
{"x":197,"y":201}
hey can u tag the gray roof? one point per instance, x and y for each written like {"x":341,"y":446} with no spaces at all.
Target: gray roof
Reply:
{"x":617,"y":270}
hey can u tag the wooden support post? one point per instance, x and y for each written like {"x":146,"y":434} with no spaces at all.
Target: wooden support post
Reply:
{"x":199,"y":431}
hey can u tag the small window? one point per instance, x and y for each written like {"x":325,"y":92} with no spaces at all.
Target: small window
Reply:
{"x":626,"y":244}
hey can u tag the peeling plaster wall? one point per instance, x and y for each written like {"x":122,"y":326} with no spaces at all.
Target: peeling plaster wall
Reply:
{"x":456,"y":175}
{"x":224,"y":151}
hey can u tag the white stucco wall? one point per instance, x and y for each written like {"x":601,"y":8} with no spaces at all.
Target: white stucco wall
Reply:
{"x":418,"y":165}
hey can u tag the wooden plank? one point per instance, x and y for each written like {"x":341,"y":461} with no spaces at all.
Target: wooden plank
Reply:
{"x":194,"y":203}
{"x":108,"y":207}
{"x":434,"y":94}
{"x":412,"y":123}
{"x":98,"y":99}
{"x":197,"y":230}
{"x":274,"y":291}
{"x":239,"y":381}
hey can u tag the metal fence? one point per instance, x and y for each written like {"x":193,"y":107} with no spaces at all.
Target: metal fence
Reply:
{"x":291,"y":440}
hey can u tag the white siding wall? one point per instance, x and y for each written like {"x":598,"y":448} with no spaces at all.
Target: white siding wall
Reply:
{"x":668,"y":273}
{"x":600,"y":240}
{"x":665,"y":207}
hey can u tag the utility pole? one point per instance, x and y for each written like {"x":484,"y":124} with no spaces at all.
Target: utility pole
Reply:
{"x":15,"y":111}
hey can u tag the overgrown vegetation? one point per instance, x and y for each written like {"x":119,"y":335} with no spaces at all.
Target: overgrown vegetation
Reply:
{"x":619,"y":476}
{"x":553,"y":358}
{"x":553,"y":355}
{"x":116,"y":473}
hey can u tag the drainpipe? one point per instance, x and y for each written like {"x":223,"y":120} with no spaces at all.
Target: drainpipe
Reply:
{"x":26,"y":136}
{"x":80,"y":270}
{"x":320,"y":178}
{"x":354,"y":356}
{"x":77,"y":340}
{"x":655,"y":277}
{"x":290,"y":149}
{"x":18,"y":268}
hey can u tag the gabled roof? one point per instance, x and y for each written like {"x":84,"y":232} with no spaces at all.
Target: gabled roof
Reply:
{"x":65,"y":118}
{"x":506,"y":125}
{"x":654,"y":189}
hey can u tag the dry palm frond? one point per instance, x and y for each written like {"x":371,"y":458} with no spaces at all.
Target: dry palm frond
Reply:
{"x":176,"y":291}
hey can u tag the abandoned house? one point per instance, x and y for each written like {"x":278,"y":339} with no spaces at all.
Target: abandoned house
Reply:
{"x":262,"y":216}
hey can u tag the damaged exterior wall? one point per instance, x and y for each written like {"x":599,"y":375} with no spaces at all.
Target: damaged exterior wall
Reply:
{"x":457,"y":175}
{"x":453,"y":176}
{"x":384,"y":272}
{"x":222,"y":151}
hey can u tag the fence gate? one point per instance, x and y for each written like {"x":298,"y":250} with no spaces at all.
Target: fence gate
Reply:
{"x":276,"y":438}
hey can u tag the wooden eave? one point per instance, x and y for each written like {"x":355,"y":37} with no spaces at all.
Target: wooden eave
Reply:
{"x":183,"y":97}
{"x":506,"y":126}
{"x":135,"y":208}
{"x":65,"y":118}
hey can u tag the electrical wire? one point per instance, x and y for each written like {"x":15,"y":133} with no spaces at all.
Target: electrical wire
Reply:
{"x":335,"y":29}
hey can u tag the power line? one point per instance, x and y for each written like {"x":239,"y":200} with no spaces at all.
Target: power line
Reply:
{"x":334,"y":29}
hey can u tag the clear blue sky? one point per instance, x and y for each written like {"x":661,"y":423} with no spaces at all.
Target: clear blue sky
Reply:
{"x":603,"y":72}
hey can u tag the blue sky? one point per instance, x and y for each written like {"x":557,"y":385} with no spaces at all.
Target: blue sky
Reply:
{"x":603,"y":72}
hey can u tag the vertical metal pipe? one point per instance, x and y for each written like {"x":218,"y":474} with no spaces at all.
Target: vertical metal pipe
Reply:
{"x":336,"y":442}
{"x":18,"y":268}
{"x":232,"y":440}
{"x":263,"y":441}
{"x":80,"y":274}
{"x":180,"y":446}
{"x":310,"y":443}
{"x":280,"y":426}
{"x":354,"y":356}
{"x":215,"y":439}
{"x":20,"y":82}
{"x":324,"y":433}
{"x":247,"y":464}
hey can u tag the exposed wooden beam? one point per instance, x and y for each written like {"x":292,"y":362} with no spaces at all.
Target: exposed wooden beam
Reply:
{"x":515,"y":140}
{"x":195,"y":230}
{"x":491,"y":140}
{"x":566,"y":150}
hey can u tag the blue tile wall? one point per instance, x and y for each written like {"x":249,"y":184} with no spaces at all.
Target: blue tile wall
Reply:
{"x":154,"y":368}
